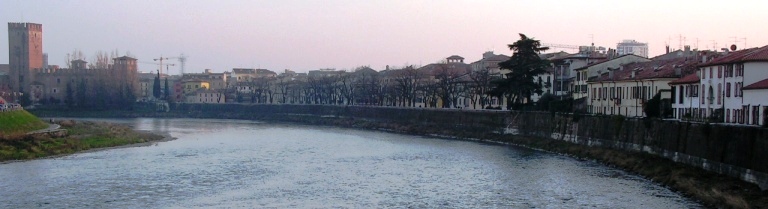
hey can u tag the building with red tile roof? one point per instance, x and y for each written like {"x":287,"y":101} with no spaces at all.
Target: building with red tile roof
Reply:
{"x":729,"y":88}
{"x":625,"y":90}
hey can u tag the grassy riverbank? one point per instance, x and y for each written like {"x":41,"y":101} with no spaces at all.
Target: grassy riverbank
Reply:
{"x":82,"y":136}
{"x":19,"y":122}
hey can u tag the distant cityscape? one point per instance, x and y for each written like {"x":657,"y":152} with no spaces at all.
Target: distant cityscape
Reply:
{"x":723,"y":86}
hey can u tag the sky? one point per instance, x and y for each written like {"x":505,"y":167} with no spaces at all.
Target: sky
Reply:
{"x":303,"y":35}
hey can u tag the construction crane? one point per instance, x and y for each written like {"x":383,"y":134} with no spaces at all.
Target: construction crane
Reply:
{"x":561,"y":46}
{"x":181,"y":58}
{"x":160,"y":64}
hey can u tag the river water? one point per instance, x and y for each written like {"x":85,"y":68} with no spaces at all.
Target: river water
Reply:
{"x":246,"y":164}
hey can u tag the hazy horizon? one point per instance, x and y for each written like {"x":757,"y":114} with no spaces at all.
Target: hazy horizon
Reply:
{"x":309,"y":35}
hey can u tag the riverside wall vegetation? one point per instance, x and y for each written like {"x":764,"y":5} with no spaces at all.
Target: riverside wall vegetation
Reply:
{"x":736,"y":151}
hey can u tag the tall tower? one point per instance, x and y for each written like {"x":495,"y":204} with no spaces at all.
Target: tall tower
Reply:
{"x":25,"y":52}
{"x":125,"y":69}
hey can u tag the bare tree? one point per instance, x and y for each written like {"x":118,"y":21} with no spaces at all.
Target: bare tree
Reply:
{"x":481,"y":80}
{"x":446,"y":85}
{"x":405,"y":83}
{"x":76,"y":54}
{"x":101,"y":60}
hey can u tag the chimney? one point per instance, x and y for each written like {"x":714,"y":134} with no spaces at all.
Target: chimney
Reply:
{"x":687,"y":49}
{"x":678,"y":71}
{"x":633,"y":73}
{"x":667,"y":50}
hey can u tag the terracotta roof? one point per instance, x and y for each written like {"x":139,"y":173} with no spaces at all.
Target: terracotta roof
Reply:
{"x":690,"y":78}
{"x":746,"y":55}
{"x":651,"y":69}
{"x":125,"y":58}
{"x":757,"y":85}
{"x":602,"y":61}
{"x":452,"y":68}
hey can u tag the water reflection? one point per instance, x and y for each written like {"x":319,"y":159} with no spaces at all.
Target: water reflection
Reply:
{"x":235,"y":163}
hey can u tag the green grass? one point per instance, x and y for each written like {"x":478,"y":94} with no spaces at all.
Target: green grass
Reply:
{"x":19,"y":122}
{"x":83,"y":136}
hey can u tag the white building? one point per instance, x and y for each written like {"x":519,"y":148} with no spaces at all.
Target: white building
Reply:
{"x":626,"y":90}
{"x":731,"y":89}
{"x":564,"y":70}
{"x":756,"y":97}
{"x":598,"y":68}
{"x":632,"y":47}
{"x":207,"y":96}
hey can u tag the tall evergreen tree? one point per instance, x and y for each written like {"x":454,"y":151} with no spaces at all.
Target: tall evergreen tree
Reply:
{"x":81,"y":92}
{"x":156,"y":86}
{"x":166,"y":96}
{"x":130,"y":98}
{"x":70,"y":97}
{"x":518,"y":85}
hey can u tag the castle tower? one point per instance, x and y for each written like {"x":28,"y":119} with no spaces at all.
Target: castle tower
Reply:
{"x":125,"y":68}
{"x":25,"y":52}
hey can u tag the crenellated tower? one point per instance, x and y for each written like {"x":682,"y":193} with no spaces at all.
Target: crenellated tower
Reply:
{"x":125,"y":68}
{"x":25,"y":53}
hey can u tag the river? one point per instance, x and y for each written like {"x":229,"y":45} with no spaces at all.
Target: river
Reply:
{"x":247,"y":164}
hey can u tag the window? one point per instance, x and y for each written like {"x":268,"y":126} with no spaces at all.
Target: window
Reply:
{"x":755,"y":115}
{"x":719,"y":71}
{"x":613,"y":92}
{"x":719,"y":92}
{"x":727,"y":89}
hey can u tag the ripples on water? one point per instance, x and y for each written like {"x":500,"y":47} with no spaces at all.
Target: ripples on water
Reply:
{"x":244,"y":164}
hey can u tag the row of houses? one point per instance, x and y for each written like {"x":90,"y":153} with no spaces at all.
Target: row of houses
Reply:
{"x":723,"y":87}
{"x":598,"y":82}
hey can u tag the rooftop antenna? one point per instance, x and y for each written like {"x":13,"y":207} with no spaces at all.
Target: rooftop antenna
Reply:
{"x":680,"y":41}
{"x":735,"y":39}
{"x":592,"y":39}
{"x":697,"y":43}
{"x":745,"y":42}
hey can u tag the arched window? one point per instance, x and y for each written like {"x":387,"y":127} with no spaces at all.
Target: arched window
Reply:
{"x":711,"y":96}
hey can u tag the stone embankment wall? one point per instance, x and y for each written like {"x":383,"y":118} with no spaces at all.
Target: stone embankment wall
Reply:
{"x":737,"y":151}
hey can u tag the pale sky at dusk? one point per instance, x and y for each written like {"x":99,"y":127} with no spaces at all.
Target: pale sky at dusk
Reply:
{"x":308,"y":35}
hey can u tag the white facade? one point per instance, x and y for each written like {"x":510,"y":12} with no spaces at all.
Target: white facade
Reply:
{"x":720,"y":90}
{"x":685,"y":104}
{"x":207,"y":97}
{"x":757,"y":101}
{"x":632,"y":47}
{"x":584,"y":73}
{"x":546,"y":85}
{"x":564,"y":71}
{"x":625,"y":97}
